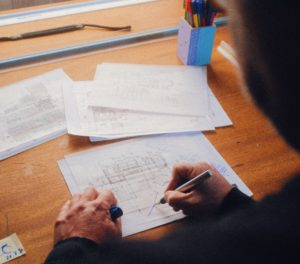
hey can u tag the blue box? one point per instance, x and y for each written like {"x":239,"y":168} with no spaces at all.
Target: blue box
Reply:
{"x":195,"y":45}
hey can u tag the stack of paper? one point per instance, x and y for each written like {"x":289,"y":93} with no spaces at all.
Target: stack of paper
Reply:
{"x":32,"y":112}
{"x":130,"y":100}
{"x":124,"y":100}
{"x":138,"y":170}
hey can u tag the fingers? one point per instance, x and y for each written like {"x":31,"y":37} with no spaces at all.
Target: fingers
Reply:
{"x":87,"y":215}
{"x":180,"y":173}
{"x":178,"y":200}
{"x":185,"y":171}
{"x":64,"y":210}
{"x":90,"y":194}
{"x":107,"y":198}
{"x":75,"y":198}
{"x":66,"y":206}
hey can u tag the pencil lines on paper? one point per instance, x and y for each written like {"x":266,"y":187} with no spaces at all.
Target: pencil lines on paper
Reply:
{"x":31,"y":112}
{"x":154,"y":204}
{"x":135,"y":179}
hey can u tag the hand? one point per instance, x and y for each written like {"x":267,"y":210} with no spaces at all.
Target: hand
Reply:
{"x":204,"y":200}
{"x":87,"y":215}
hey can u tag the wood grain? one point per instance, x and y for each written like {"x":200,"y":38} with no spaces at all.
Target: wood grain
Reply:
{"x":32,"y":188}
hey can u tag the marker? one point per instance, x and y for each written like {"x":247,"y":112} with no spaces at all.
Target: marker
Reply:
{"x":200,"y":12}
{"x":195,"y":14}
{"x":115,"y":212}
{"x":191,"y":184}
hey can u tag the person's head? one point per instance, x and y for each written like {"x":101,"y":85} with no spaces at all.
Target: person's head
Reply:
{"x":265,"y":34}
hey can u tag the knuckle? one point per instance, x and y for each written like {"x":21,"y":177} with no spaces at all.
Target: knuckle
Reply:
{"x":171,"y":201}
{"x":178,"y":168}
{"x":88,"y":190}
{"x":107,"y":192}
{"x":76,"y":197}
{"x":110,"y":193}
{"x":104,"y":205}
{"x":59,"y":221}
{"x":205,"y":165}
{"x":110,"y":196}
{"x":79,"y":206}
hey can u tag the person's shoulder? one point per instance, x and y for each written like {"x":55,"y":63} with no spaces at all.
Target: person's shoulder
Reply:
{"x":291,"y":189}
{"x":286,"y":202}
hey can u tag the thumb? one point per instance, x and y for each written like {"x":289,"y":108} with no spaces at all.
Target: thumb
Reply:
{"x":178,"y":199}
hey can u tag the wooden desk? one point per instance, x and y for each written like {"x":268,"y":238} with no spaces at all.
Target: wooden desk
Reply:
{"x":32,"y":188}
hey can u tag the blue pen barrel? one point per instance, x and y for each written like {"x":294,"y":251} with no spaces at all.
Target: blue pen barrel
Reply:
{"x":115,"y":212}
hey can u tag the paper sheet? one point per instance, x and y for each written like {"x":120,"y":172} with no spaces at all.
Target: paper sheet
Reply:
{"x":129,"y":122}
{"x":138,"y":170}
{"x":178,"y":90}
{"x":85,"y":120}
{"x":217,"y":115}
{"x":216,"y":112}
{"x":10,"y":248}
{"x":31,"y":112}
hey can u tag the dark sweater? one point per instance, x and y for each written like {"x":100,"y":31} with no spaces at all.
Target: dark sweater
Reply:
{"x":244,"y":231}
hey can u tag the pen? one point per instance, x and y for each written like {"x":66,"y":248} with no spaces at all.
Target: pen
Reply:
{"x":115,"y":212}
{"x":195,"y":15}
{"x":191,"y":184}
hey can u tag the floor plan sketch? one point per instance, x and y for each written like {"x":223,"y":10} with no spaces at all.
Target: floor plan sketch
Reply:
{"x":135,"y":180}
{"x":138,"y":171}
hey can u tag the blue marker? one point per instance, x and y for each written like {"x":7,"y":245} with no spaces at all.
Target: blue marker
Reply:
{"x":200,"y":12}
{"x":115,"y":212}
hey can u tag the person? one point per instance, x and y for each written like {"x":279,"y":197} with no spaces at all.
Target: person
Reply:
{"x":230,"y":227}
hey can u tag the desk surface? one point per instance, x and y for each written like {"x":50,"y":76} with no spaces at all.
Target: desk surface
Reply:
{"x":33,"y":189}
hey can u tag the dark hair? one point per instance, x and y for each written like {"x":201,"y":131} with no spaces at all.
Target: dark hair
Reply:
{"x":271,"y":65}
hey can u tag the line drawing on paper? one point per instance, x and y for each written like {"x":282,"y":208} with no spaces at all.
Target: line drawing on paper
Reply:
{"x":136,"y":180}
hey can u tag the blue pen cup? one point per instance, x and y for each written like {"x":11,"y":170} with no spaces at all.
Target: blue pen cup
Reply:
{"x":195,"y":45}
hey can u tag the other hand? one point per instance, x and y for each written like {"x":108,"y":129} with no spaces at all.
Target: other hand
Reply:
{"x":204,"y":200}
{"x":87,"y":215}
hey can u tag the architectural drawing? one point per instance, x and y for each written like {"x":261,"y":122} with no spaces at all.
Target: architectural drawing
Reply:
{"x":137,"y":171}
{"x":30,"y":110}
{"x":135,"y":179}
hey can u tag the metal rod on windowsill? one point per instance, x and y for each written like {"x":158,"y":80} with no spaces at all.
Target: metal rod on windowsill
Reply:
{"x":95,"y":46}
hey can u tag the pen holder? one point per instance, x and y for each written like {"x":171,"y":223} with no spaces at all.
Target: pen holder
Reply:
{"x":194,"y":46}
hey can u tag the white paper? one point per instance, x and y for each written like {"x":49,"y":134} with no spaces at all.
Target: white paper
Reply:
{"x":31,"y":112}
{"x":216,"y":112}
{"x":138,"y":170}
{"x":178,"y":90}
{"x":85,"y":120}
{"x":10,"y":248}
{"x":217,"y":115}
